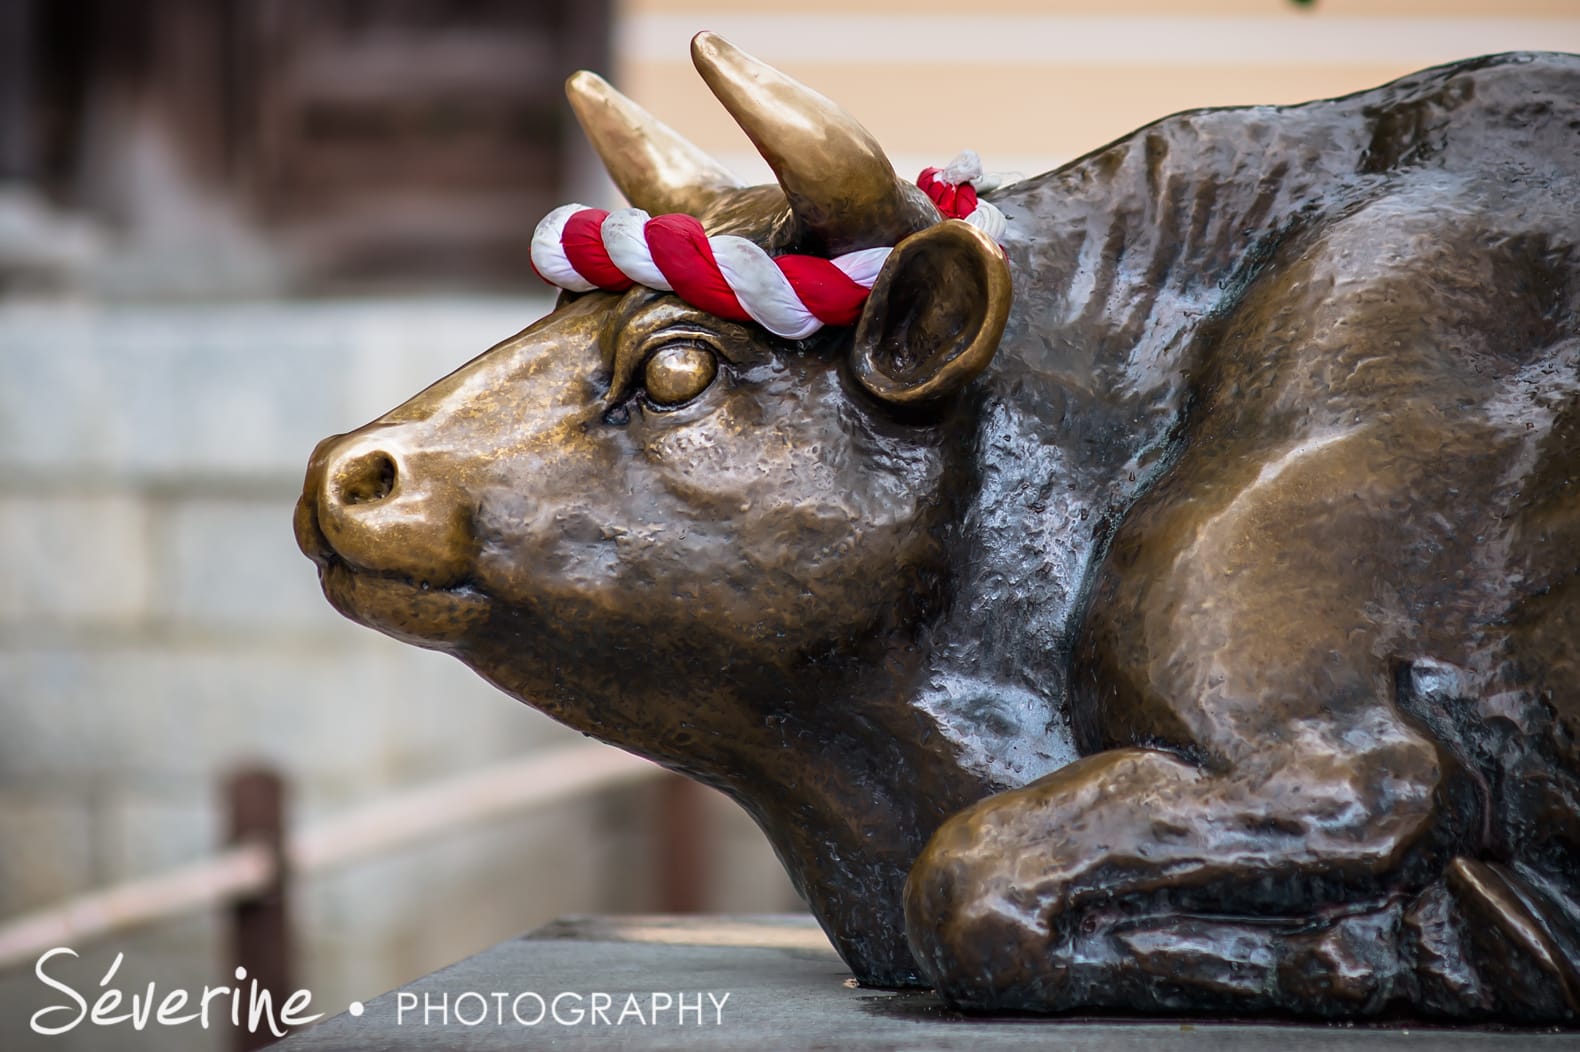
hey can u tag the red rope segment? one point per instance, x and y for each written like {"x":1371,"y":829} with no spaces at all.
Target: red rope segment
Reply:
{"x":682,"y":254}
{"x":825,"y":290}
{"x":583,"y":242}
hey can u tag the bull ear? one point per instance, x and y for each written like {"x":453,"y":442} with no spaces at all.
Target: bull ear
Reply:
{"x":935,"y":315}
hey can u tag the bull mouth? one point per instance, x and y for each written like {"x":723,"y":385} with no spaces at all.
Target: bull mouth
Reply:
{"x":413,"y":611}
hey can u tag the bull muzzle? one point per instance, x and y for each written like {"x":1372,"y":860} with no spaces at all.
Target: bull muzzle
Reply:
{"x":371,"y":502}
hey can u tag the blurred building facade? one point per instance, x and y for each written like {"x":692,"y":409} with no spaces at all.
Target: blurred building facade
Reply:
{"x":229,"y":228}
{"x":1030,"y":84}
{"x":298,"y":147}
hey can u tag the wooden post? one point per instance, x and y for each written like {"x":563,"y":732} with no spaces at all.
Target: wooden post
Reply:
{"x":260,"y":923}
{"x":682,"y":846}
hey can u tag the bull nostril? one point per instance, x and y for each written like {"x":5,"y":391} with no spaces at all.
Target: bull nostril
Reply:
{"x":367,"y":479}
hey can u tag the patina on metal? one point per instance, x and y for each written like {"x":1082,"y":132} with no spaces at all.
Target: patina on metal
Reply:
{"x":1182,"y":617}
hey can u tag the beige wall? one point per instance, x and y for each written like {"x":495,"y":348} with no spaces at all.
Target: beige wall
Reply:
{"x":1030,"y":84}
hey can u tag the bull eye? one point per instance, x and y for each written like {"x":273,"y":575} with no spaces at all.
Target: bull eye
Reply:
{"x":678,"y":373}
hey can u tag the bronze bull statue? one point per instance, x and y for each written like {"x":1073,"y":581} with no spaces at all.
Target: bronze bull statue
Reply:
{"x":1175,"y":610}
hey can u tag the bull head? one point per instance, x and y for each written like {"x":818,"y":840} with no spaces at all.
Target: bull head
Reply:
{"x":683,"y":535}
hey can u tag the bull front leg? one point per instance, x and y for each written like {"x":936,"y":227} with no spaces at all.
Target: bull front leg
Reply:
{"x":1258,"y":827}
{"x":1135,"y":879}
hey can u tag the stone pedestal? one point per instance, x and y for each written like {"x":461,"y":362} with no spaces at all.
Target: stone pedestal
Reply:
{"x":759,"y":983}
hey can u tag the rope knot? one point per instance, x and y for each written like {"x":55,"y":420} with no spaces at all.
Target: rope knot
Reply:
{"x":953,"y":188}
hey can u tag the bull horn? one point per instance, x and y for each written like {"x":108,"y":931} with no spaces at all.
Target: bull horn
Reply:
{"x":651,"y":163}
{"x":840,"y":185}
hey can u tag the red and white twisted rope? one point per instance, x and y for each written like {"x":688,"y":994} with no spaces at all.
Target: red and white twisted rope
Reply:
{"x":581,"y":249}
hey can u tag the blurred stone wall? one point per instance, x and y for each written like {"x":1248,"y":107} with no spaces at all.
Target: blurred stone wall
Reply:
{"x":158,"y":625}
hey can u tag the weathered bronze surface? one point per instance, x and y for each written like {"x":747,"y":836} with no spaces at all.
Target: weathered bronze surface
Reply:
{"x":1197,"y":624}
